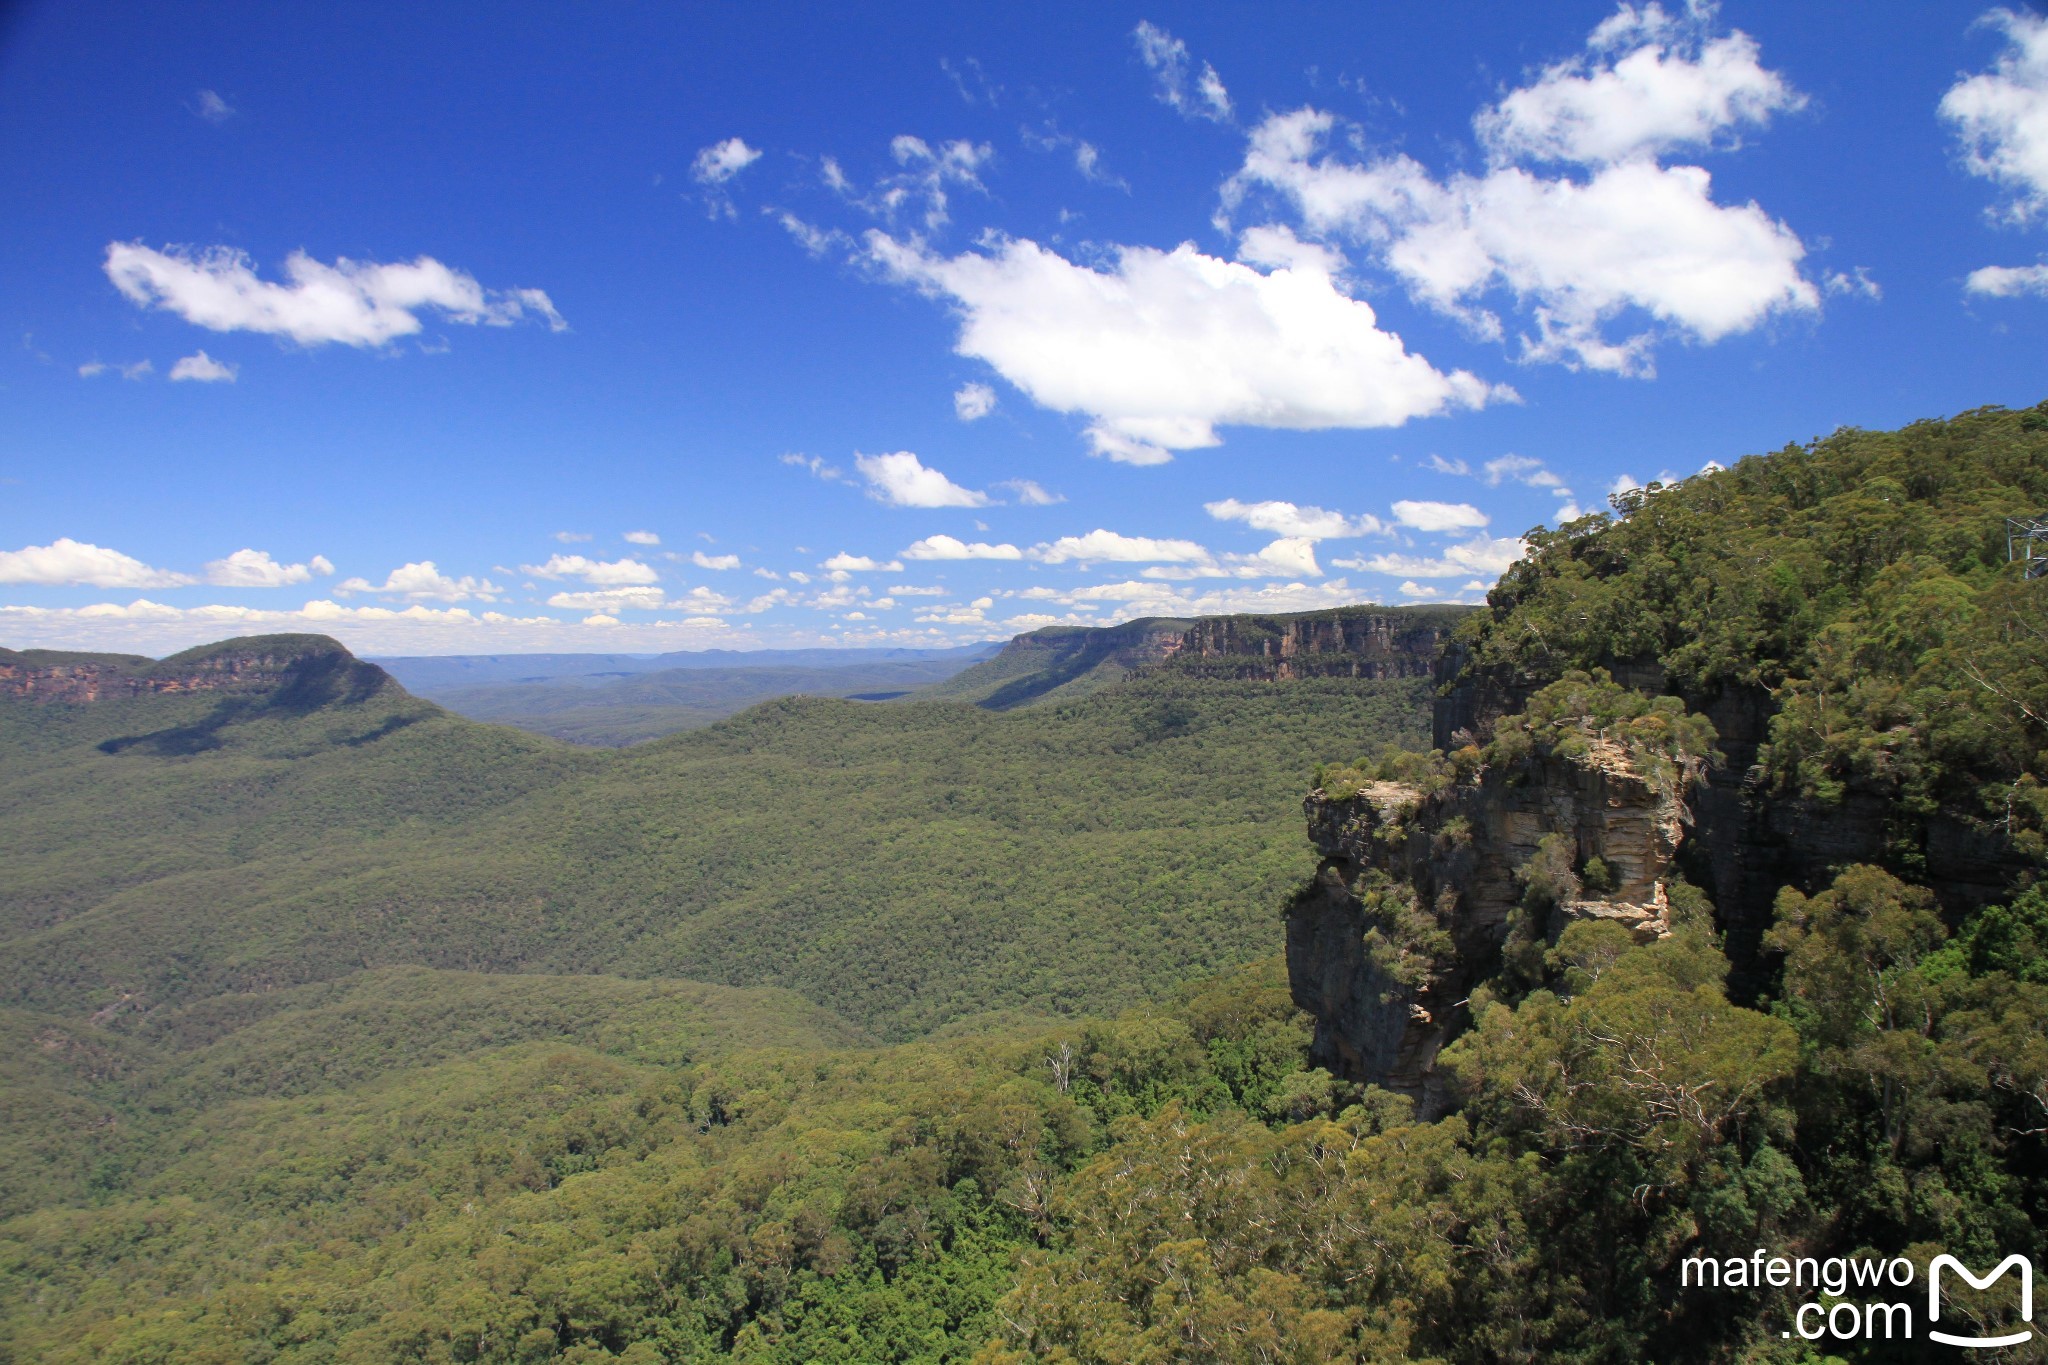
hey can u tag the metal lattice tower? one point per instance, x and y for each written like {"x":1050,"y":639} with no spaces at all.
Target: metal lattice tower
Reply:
{"x":2026,"y":540}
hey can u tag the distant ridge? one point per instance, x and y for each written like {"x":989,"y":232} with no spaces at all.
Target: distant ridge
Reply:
{"x":431,"y":674}
{"x":246,"y":663}
{"x":199,"y":699}
{"x":1063,"y":663}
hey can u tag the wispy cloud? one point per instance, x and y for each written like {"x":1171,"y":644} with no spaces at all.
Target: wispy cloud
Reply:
{"x":1188,"y":92}
{"x":355,"y":303}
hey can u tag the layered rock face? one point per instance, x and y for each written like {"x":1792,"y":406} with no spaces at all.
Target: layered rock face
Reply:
{"x":1417,"y":894}
{"x":1131,"y":645}
{"x":1400,"y":643}
{"x":94,"y":680}
{"x":1749,"y":842}
{"x":255,"y":664}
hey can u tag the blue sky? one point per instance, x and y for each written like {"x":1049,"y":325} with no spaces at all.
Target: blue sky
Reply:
{"x":470,"y":328}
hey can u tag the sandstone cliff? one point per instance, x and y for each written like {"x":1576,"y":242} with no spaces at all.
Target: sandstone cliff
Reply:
{"x":1420,"y":890}
{"x":1351,"y":642}
{"x":1748,"y":841}
{"x":278,"y":672}
{"x":1061,"y":663}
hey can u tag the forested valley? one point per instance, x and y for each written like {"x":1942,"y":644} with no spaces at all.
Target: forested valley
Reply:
{"x":344,"y":1029}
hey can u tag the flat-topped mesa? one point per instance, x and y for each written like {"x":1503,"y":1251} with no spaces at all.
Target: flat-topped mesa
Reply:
{"x":1421,"y":886}
{"x":1349,"y":642}
{"x":252,"y":663}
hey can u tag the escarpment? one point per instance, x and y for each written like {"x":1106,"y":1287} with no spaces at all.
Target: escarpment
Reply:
{"x":1062,"y":663}
{"x":1749,"y":838}
{"x":1399,"y":642}
{"x":1423,"y":883}
{"x":251,"y":664}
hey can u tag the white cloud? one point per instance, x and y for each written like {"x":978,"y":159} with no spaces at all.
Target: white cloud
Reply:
{"x":2008,"y":281}
{"x":356,"y":303}
{"x":1623,"y":483}
{"x":1438,"y":516}
{"x":1670,"y":86}
{"x":923,"y":182}
{"x":596,"y":572}
{"x":1520,"y":469}
{"x":67,"y":562}
{"x":91,"y":368}
{"x":1164,"y":346}
{"x":212,"y":107}
{"x":717,"y":563}
{"x":972,"y":402}
{"x":1417,"y":590}
{"x":1856,"y":283}
{"x":913,"y":590}
{"x":1151,"y":597}
{"x":1443,"y":466}
{"x":1485,"y":555}
{"x":815,"y":240}
{"x":143,"y":626}
{"x":1109,"y":546}
{"x":1634,"y":236}
{"x":902,"y":480}
{"x":256,"y":569}
{"x":422,"y":581}
{"x":571,"y":537}
{"x":1204,"y":97}
{"x":204,"y":368}
{"x":1625,"y":235}
{"x":1088,"y":161}
{"x":1087,"y":156}
{"x":1031,"y":494}
{"x":2001,"y":116}
{"x":641,"y":538}
{"x":721,"y":161}
{"x":1289,"y":519}
{"x":949,"y":547}
{"x":611,"y":599}
{"x":954,"y":616}
{"x":844,"y":563}
{"x":1288,"y":557}
{"x":983,"y":90}
{"x":819,"y":468}
{"x":715,"y":166}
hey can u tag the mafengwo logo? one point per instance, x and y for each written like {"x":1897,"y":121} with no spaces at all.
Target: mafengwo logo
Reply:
{"x":1846,"y":1306}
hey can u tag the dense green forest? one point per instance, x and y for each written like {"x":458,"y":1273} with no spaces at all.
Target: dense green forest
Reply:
{"x":903,"y":866}
{"x":357,"y":1033}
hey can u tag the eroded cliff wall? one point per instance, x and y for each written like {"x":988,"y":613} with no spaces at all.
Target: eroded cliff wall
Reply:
{"x":1401,"y":642}
{"x":1419,"y":891}
{"x":252,"y":664}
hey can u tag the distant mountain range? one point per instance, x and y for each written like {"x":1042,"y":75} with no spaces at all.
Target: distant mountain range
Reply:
{"x":618,"y":699}
{"x":429,"y":675}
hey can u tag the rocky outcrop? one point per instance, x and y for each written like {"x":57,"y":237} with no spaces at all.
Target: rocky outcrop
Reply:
{"x":1350,"y":642}
{"x":1418,"y":892}
{"x":93,"y":680}
{"x":252,"y":664}
{"x":1065,"y":662}
{"x":1749,"y":841}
